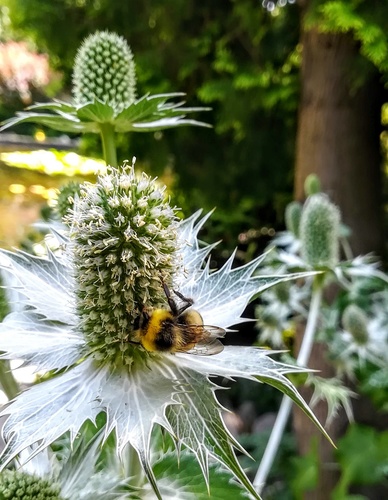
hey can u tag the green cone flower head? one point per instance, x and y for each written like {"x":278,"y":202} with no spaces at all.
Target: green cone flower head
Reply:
{"x":17,"y":485}
{"x":355,"y":321}
{"x":312,"y":185}
{"x":66,"y":197}
{"x":319,"y":232}
{"x":292,"y":217}
{"x":78,"y":312}
{"x":104,"y":70}
{"x":124,"y":234}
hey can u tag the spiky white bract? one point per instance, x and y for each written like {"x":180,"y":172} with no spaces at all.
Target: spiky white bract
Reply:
{"x":77,"y":313}
{"x":72,"y":472}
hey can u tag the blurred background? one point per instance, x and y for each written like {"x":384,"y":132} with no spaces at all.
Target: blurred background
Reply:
{"x":294,"y":88}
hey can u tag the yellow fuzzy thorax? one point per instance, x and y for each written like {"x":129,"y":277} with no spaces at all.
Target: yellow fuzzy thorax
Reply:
{"x":153,"y":328}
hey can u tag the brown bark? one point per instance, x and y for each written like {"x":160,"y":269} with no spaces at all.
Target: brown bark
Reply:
{"x":338,"y":135}
{"x":337,"y":139}
{"x":307,"y":434}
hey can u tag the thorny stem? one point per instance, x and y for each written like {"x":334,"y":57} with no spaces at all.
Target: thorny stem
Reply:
{"x":286,"y":404}
{"x":108,"y":144}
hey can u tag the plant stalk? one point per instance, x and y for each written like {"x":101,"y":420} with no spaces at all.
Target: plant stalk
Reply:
{"x":7,"y":380}
{"x":108,"y":144}
{"x":286,"y":404}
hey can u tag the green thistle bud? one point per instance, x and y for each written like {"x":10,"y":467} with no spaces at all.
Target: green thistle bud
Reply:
{"x":312,"y":185}
{"x":292,"y":217}
{"x":19,"y":485}
{"x":124,"y":236}
{"x":355,"y":321}
{"x":66,"y":197}
{"x":319,"y":232}
{"x":104,"y":70}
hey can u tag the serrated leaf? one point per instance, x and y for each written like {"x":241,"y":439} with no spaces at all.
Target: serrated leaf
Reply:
{"x":54,"y":105}
{"x":160,"y":124}
{"x":183,"y":480}
{"x":198,"y":425}
{"x":96,"y":111}
{"x":61,"y":123}
{"x":139,"y":110}
{"x":253,"y":364}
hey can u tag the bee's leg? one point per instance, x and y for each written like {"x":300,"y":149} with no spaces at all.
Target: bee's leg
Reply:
{"x":170,"y":300}
{"x":188,"y":302}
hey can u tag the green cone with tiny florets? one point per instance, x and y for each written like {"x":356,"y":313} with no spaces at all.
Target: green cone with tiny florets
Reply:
{"x":355,"y":321}
{"x":16,"y":485}
{"x":292,"y":217}
{"x":124,"y":236}
{"x":319,"y":232}
{"x":104,"y":70}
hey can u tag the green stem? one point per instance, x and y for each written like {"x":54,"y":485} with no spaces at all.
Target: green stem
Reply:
{"x":286,"y":404}
{"x":133,"y":468}
{"x":108,"y":144}
{"x":7,"y":381}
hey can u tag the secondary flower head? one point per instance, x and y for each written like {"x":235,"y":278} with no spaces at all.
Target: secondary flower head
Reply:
{"x":70,"y":474}
{"x":80,"y":312}
{"x":104,"y":70}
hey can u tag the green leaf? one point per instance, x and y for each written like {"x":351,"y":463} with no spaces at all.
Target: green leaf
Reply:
{"x":161,"y":124}
{"x":152,"y":113}
{"x":289,"y":390}
{"x":367,"y":467}
{"x":64,"y":123}
{"x":197,"y":423}
{"x":96,"y":111}
{"x":54,"y":105}
{"x":184,"y":479}
{"x":142,"y":109}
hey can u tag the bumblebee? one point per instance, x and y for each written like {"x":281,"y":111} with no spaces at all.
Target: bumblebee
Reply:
{"x":179,"y":329}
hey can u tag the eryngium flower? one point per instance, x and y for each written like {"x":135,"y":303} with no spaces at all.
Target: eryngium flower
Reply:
{"x":19,"y":485}
{"x":104,"y":70}
{"x":77,"y":316}
{"x":70,"y":474}
{"x":319,"y":232}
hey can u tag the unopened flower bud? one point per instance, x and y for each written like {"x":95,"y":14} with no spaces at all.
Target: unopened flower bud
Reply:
{"x":355,"y":321}
{"x":312,"y":185}
{"x":319,"y":232}
{"x":292,"y":217}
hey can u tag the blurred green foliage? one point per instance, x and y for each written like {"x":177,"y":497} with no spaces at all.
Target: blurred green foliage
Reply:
{"x":235,"y":57}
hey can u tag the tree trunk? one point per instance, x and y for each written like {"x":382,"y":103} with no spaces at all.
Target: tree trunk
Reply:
{"x":338,"y":135}
{"x":337,"y":139}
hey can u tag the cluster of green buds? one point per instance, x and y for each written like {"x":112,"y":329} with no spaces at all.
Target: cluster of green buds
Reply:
{"x":16,"y":485}
{"x":124,"y":246}
{"x":355,"y":321}
{"x":104,"y":70}
{"x":319,"y":232}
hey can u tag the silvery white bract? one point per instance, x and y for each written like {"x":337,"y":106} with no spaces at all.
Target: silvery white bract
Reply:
{"x":73,"y":471}
{"x":53,"y":331}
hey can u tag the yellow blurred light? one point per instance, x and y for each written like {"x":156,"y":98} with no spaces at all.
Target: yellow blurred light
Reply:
{"x":40,"y":136}
{"x":51,"y":194}
{"x":72,"y":159}
{"x":17,"y":188}
{"x":37,"y":189}
{"x":51,"y":162}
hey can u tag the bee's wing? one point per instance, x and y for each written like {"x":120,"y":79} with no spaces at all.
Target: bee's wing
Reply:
{"x":206,"y":338}
{"x":207,"y":347}
{"x":214,"y":331}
